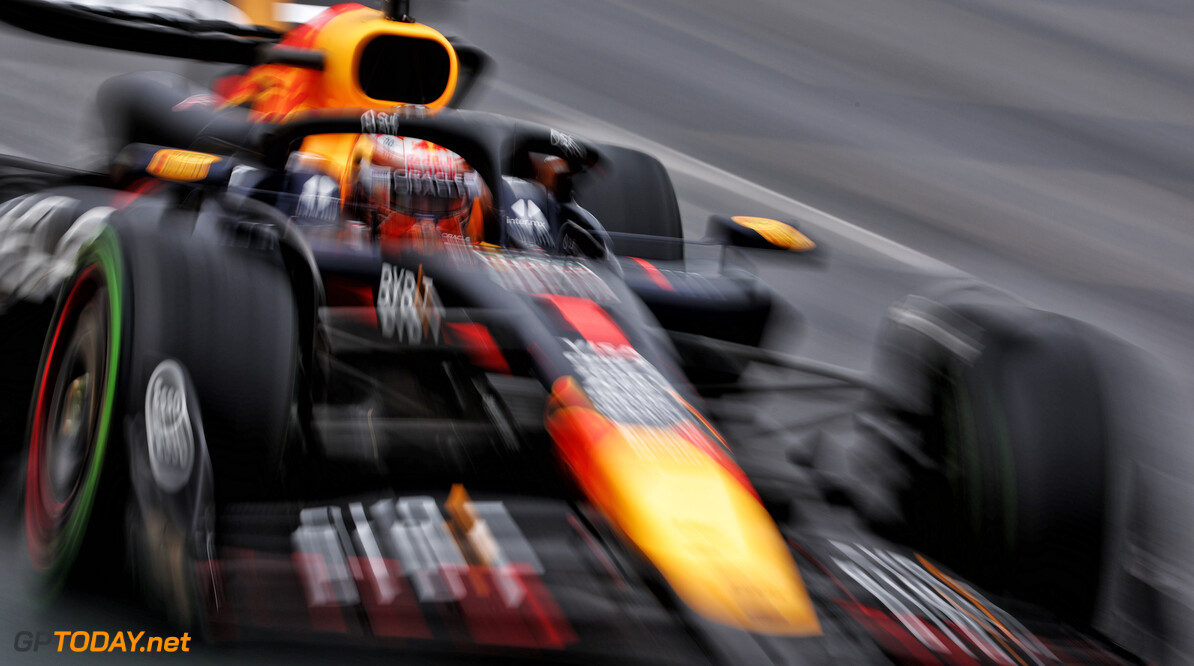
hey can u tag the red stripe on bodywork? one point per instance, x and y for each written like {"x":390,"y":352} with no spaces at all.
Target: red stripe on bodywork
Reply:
{"x":893,"y":638}
{"x":489,"y":620}
{"x":482,"y":349}
{"x":343,"y":292}
{"x":655,"y":274}
{"x":548,"y":622}
{"x":699,"y":441}
{"x":312,"y":570}
{"x":534,"y":622}
{"x":399,"y":617}
{"x":588,"y":318}
{"x":143,"y":186}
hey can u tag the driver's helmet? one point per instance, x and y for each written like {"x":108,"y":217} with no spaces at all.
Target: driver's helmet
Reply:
{"x":411,"y":188}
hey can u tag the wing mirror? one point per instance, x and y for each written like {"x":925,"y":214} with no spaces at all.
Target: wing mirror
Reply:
{"x":759,"y":232}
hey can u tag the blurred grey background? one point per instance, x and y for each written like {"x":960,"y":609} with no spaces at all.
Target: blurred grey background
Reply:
{"x":1045,"y":146}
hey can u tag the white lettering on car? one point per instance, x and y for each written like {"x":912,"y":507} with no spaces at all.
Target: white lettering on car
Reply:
{"x":318,"y":199}
{"x":529,"y":224}
{"x":623,"y":385}
{"x":542,"y":275}
{"x":566,"y":143}
{"x":408,"y":308}
{"x":373,"y":122}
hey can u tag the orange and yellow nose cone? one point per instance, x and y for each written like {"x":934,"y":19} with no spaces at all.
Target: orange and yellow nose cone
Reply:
{"x":688,"y":510}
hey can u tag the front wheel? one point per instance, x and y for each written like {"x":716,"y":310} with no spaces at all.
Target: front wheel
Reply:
{"x":998,"y":425}
{"x":72,"y":422}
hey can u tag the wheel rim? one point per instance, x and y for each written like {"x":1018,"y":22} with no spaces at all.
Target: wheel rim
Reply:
{"x":73,"y":413}
{"x":72,"y":418}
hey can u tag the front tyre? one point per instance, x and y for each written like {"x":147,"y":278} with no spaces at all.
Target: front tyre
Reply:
{"x":74,"y":406}
{"x":996,"y":445}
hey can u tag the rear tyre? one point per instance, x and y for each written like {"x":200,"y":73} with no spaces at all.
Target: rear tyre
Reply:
{"x":1005,"y":448}
{"x":630,"y":192}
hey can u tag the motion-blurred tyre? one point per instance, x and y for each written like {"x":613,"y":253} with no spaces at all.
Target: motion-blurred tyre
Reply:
{"x":70,"y":485}
{"x":998,"y":431}
{"x":146,"y":293}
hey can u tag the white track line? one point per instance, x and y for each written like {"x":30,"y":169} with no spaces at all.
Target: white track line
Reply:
{"x":15,"y":152}
{"x":679,"y":162}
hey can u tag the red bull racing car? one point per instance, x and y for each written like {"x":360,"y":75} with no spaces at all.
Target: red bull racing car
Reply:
{"x":318,"y":357}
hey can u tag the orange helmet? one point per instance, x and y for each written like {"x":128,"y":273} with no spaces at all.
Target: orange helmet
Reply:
{"x":409,"y":187}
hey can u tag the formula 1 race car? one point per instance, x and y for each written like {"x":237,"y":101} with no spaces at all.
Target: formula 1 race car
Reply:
{"x":290,"y":408}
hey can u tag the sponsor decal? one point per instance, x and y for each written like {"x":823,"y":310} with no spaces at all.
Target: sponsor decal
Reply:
{"x":375,"y":122}
{"x":777,"y":233}
{"x":413,"y":111}
{"x":169,"y":435}
{"x":456,"y":242}
{"x":408,"y":307}
{"x":181,"y":165}
{"x":542,"y":275}
{"x":623,"y":385}
{"x":567,"y":144}
{"x":569,"y":246}
{"x":428,"y":170}
{"x":529,"y":224}
{"x":389,"y":149}
{"x":318,"y":199}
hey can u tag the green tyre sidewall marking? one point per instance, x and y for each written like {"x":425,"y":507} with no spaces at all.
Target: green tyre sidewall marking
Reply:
{"x":104,"y":251}
{"x":1007,"y":465}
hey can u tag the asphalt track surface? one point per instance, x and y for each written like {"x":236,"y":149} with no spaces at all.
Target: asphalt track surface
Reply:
{"x":1044,"y":146}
